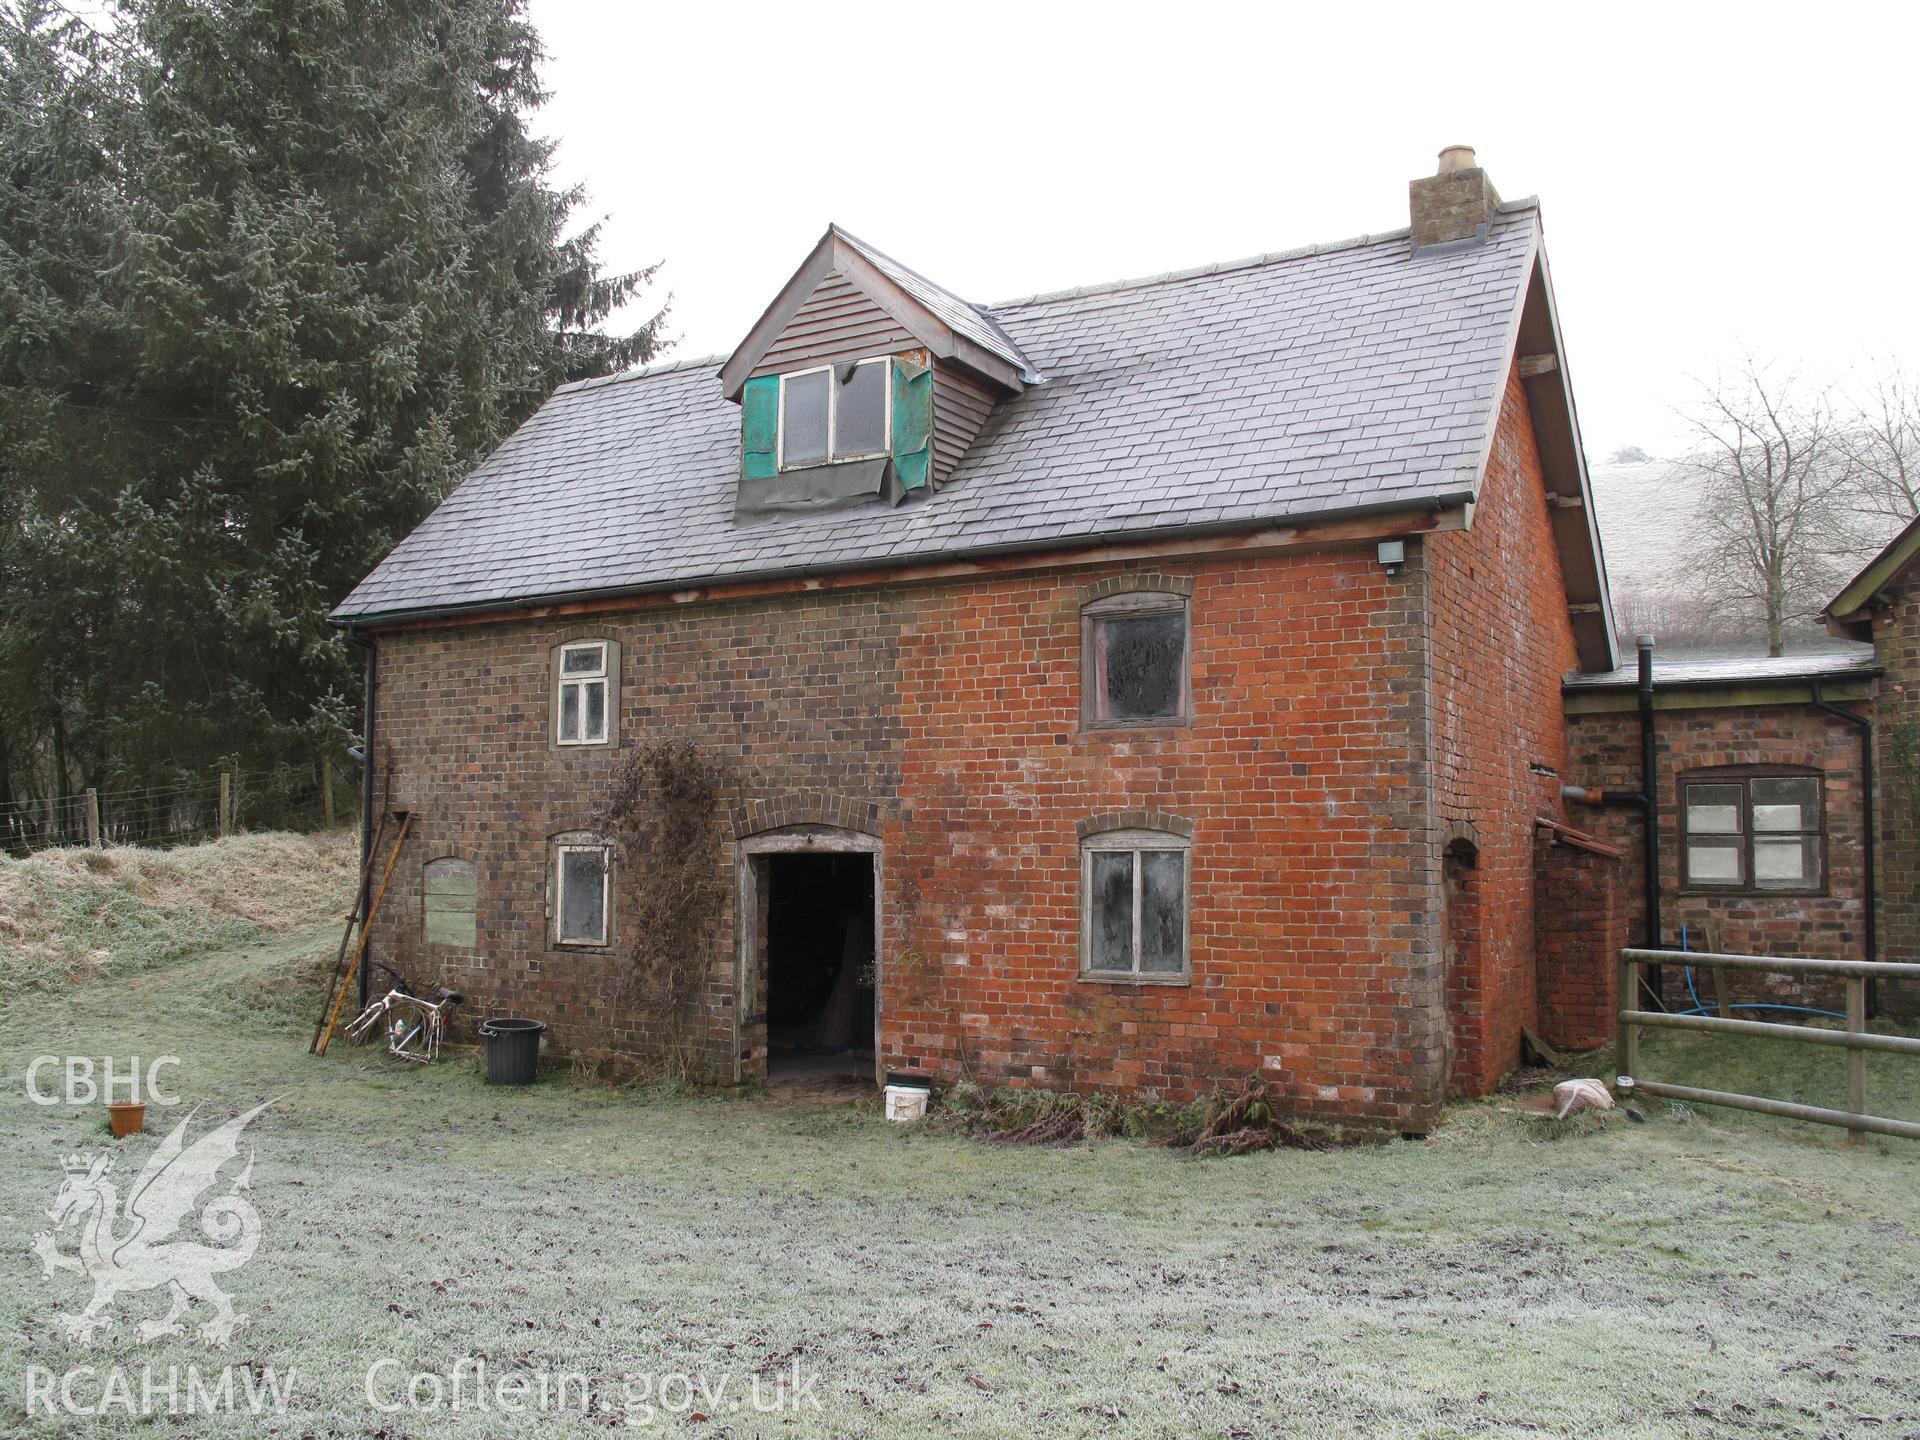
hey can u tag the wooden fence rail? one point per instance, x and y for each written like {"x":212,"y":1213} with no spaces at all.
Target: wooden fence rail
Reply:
{"x":1856,"y":1039}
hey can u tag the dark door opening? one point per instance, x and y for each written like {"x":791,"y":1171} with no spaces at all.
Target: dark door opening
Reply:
{"x":820,"y":967}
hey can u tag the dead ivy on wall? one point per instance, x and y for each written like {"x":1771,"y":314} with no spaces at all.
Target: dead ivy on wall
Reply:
{"x":663,"y":808}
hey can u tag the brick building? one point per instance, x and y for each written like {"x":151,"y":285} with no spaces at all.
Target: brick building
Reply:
{"x":1881,"y":607}
{"x":1129,"y":688}
{"x":1760,"y":802}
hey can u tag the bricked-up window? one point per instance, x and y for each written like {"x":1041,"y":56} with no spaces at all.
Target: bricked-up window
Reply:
{"x":583,"y":692}
{"x":1134,"y":660}
{"x":1134,"y":915}
{"x":580,"y":891}
{"x":449,"y":897}
{"x":1752,"y":831}
{"x":836,"y":412}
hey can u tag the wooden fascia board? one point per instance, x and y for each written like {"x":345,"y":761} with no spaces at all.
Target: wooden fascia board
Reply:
{"x":776,"y":317}
{"x":1717,"y":697}
{"x":929,"y":329}
{"x":1878,"y":572}
{"x":1563,"y":460}
{"x":1267,"y":539}
{"x":833,"y":255}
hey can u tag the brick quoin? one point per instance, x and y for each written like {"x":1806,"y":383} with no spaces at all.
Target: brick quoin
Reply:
{"x":1896,"y":640}
{"x":1346,"y":723}
{"x":1501,"y":644}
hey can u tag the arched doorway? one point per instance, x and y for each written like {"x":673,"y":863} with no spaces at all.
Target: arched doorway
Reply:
{"x":1460,"y":895}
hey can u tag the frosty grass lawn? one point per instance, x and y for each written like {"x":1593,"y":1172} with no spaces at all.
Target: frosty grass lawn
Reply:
{"x":1696,"y":1275}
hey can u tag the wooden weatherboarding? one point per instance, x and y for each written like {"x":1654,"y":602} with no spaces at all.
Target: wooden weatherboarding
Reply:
{"x":1856,"y":1039}
{"x":343,"y":968}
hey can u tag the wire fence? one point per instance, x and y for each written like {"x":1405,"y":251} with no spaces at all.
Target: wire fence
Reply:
{"x":198,"y":805}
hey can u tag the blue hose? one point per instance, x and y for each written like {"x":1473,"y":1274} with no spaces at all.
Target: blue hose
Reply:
{"x":1701,"y":1008}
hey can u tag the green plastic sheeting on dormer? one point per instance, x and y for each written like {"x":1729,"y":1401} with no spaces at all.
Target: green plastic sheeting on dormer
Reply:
{"x":759,"y":427}
{"x":912,"y":424}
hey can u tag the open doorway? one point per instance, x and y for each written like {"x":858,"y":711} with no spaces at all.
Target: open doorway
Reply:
{"x":820,"y":968}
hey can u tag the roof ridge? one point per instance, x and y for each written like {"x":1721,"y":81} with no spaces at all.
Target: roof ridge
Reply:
{"x":1245,"y":262}
{"x":640,"y":372}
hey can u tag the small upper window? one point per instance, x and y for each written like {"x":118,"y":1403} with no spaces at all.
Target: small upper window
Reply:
{"x":1751,"y":832}
{"x":1134,"y":660}
{"x":838,"y":412}
{"x":581,"y":874}
{"x":581,"y":693}
{"x":1134,"y":920}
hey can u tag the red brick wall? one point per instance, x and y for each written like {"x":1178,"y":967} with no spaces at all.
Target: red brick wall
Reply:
{"x":1606,"y":753}
{"x":1502,"y":642}
{"x":1579,"y":925}
{"x":1302,"y":775}
{"x":946,"y":720}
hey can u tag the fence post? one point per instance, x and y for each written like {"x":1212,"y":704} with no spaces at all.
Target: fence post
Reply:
{"x":93,"y":817}
{"x":1856,"y":1059}
{"x":1626,"y":1036}
{"x":326,"y":791}
{"x":225,"y":823}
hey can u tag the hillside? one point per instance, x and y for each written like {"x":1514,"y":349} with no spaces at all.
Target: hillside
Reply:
{"x":76,"y":914}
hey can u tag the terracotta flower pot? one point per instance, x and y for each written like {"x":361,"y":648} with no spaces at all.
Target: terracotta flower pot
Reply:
{"x":126,"y":1118}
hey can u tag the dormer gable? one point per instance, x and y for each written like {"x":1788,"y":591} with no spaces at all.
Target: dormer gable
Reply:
{"x":863,"y":380}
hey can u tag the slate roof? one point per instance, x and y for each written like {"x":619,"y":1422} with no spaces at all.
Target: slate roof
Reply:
{"x":967,"y":319}
{"x":1856,"y":662}
{"x":1282,"y":388}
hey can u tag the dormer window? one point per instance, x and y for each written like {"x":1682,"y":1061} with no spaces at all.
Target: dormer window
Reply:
{"x":835,"y":413}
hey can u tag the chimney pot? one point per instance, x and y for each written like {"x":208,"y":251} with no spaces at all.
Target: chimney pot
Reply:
{"x":1455,"y":203}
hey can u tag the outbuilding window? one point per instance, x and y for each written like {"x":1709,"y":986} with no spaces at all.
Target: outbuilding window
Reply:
{"x":580,"y":890}
{"x":1133,"y":885}
{"x":1753,"y":830}
{"x":1134,"y":660}
{"x":836,"y":412}
{"x":583,"y":692}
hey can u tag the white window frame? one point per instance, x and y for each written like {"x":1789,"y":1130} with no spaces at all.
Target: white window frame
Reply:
{"x":579,"y":680}
{"x":1137,"y":842}
{"x":833,"y":416}
{"x":557,"y":891}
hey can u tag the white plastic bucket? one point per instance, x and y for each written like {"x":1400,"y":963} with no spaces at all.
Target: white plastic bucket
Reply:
{"x":906,"y":1102}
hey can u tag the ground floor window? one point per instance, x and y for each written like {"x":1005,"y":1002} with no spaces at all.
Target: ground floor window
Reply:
{"x":1751,"y":830}
{"x":1134,"y":905}
{"x":580,"y":890}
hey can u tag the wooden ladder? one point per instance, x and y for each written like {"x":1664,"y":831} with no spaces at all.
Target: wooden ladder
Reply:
{"x":343,"y":968}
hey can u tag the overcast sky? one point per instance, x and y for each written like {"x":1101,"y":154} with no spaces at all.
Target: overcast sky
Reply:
{"x":1713,"y":178}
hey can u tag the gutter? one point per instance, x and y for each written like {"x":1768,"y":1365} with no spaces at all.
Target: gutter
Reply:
{"x":1870,"y":889}
{"x":1450,"y":500}
{"x":356,"y":637}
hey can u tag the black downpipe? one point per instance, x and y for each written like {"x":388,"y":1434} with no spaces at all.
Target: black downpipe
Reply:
{"x":1650,"y":790}
{"x":366,"y":804}
{"x":1870,"y":928}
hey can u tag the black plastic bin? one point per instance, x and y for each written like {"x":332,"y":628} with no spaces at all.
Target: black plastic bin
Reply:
{"x":513,"y":1050}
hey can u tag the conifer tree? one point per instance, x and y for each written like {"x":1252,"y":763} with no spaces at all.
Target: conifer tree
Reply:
{"x":273,"y":274}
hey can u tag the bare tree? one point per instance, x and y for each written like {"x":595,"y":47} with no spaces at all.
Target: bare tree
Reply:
{"x":1773,"y":537}
{"x":1882,"y":444}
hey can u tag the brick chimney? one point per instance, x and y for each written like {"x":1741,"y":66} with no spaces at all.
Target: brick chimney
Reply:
{"x":1456,"y":202}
